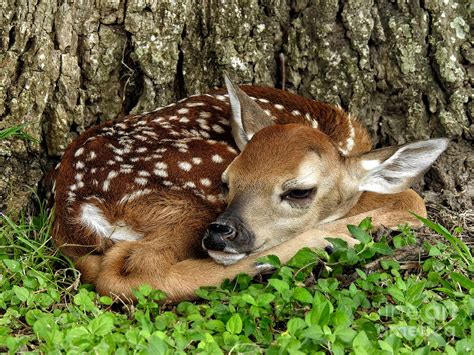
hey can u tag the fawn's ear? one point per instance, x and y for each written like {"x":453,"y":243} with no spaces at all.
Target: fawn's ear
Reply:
{"x":247,"y":117}
{"x":395,"y":169}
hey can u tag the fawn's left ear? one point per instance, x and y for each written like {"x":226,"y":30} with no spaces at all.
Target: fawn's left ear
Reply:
{"x":247,"y":117}
{"x":395,"y":169}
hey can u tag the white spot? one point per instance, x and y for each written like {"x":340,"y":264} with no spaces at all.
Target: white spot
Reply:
{"x":216,"y":158}
{"x":296,"y":113}
{"x":183,"y":111}
{"x":203,"y":123}
{"x":184,"y":166}
{"x":189,"y":184}
{"x":112,"y":174}
{"x":161,"y":169}
{"x":79,"y":152}
{"x":124,"y":232}
{"x":142,"y":150}
{"x":218,"y":128}
{"x":143,"y":173}
{"x":211,"y":198}
{"x":268,"y":112}
{"x":167,"y":183}
{"x":279,"y":107}
{"x":71,"y":197}
{"x":195,"y":104}
{"x":160,"y":172}
{"x":118,"y":158}
{"x":93,"y":217}
{"x":196,"y":160}
{"x":205,"y":182}
{"x":184,"y":120}
{"x":224,"y":121}
{"x":205,"y":114}
{"x":134,"y":195}
{"x":220,"y":97}
{"x":93,"y":170}
{"x":161,"y":165}
{"x":78,"y":177}
{"x":349,"y":144}
{"x":80,"y":165}
{"x":106,"y":185}
{"x":218,"y":108}
{"x":265,"y":101}
{"x":91,"y":155}
{"x":232,"y":150}
{"x":141,"y":181}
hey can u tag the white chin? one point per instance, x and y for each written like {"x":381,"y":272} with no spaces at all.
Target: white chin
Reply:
{"x":225,"y":258}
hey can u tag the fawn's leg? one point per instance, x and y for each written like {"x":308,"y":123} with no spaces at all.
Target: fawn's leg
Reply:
{"x":171,"y":225}
{"x":385,"y":210}
{"x":130,"y":264}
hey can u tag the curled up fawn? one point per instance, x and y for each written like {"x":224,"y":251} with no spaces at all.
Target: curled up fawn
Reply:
{"x":193,"y":193}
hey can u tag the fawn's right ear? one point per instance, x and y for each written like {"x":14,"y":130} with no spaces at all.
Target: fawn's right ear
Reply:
{"x":247,"y":116}
{"x":395,"y":169}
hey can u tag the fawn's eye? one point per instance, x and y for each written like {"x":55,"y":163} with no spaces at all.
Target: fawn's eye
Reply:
{"x":298,"y":194}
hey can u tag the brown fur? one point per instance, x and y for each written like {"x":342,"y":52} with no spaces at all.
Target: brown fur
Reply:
{"x":170,"y":214}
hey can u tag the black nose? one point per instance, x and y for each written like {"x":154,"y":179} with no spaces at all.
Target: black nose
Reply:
{"x":223,"y":230}
{"x":217,"y":235}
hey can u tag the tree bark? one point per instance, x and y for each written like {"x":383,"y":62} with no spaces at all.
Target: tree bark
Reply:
{"x":403,"y":68}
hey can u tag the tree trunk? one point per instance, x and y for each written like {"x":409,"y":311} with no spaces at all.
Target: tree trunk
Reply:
{"x":404,"y":68}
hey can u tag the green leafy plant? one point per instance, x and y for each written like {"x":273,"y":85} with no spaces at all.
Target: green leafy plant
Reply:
{"x":317,"y":303}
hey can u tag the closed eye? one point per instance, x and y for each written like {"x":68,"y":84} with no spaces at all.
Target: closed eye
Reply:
{"x":299,"y":195}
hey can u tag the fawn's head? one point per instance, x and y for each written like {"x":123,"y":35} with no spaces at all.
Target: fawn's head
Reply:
{"x":290,"y":178}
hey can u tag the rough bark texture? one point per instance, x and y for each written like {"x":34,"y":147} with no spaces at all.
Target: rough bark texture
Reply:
{"x":402,"y":67}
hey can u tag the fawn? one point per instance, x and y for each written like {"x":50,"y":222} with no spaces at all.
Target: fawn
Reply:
{"x":165,"y":198}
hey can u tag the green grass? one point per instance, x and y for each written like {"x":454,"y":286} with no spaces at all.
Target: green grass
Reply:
{"x":17,"y":131}
{"x":392,"y":310}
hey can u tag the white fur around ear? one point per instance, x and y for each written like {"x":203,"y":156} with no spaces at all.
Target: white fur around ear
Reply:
{"x":402,"y":168}
{"x":241,"y":138}
{"x":247,"y":116}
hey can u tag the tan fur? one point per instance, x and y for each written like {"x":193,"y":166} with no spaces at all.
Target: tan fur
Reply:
{"x":112,"y":182}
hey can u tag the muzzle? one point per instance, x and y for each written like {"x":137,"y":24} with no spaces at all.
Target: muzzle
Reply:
{"x":228,"y":240}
